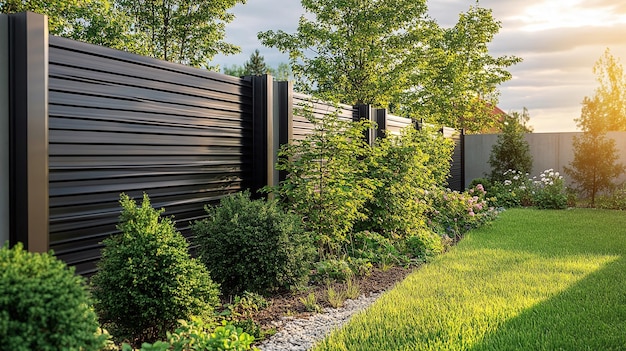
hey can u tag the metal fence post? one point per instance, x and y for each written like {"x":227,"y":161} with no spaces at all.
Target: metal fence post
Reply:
{"x":381,"y":123}
{"x":284,"y":92}
{"x":366,"y":112}
{"x":28,"y":125}
{"x":4,"y":129}
{"x":263,"y":130}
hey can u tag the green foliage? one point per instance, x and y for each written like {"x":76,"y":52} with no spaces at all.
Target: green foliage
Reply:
{"x":197,"y":335}
{"x":256,"y":65}
{"x":335,"y":298}
{"x":423,"y":245}
{"x":454,"y":213}
{"x":515,"y":189}
{"x":185,"y":31}
{"x":253,"y":245}
{"x":332,"y":269}
{"x":310,"y":303}
{"x":43,"y":304}
{"x":403,"y":166}
{"x":146,"y":279}
{"x":454,"y":81}
{"x":239,"y":313}
{"x":594,"y":167}
{"x":549,"y":191}
{"x":361,"y":49}
{"x":511,"y":151}
{"x":326,"y":185}
{"x":615,"y":200}
{"x":98,"y":22}
{"x":606,"y":109}
{"x":375,"y":248}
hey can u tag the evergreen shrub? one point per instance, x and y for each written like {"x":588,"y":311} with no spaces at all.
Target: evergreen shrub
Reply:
{"x":253,"y":245}
{"x":44,"y":305}
{"x":147,"y":280}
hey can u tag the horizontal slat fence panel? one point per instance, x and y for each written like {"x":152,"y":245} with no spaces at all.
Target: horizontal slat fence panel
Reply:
{"x":124,"y":123}
{"x":302,"y":126}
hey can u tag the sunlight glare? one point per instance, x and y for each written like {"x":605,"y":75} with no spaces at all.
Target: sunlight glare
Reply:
{"x":568,"y":14}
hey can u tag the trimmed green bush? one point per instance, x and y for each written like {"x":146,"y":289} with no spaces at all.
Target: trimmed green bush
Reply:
{"x":252,"y":245}
{"x":44,"y":305}
{"x":146,"y":280}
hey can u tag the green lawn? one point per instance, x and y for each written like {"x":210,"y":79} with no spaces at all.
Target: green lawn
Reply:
{"x":534,"y":280}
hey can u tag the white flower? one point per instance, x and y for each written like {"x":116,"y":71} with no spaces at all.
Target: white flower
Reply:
{"x":556,"y":174}
{"x":516,"y":178}
{"x":551,"y":183}
{"x":507,"y":182}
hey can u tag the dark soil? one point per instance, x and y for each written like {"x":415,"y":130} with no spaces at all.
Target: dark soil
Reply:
{"x":290,"y":304}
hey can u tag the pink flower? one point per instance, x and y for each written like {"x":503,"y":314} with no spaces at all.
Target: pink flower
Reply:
{"x":471,"y":213}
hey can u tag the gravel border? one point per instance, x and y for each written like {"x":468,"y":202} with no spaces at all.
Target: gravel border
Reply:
{"x":300,"y":334}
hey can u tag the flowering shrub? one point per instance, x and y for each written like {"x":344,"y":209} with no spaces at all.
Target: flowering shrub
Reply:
{"x":515,"y":190}
{"x":549,"y":191}
{"x":454,"y":213}
{"x":546,"y":191}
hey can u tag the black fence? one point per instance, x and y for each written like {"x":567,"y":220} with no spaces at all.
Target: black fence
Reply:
{"x":88,"y":123}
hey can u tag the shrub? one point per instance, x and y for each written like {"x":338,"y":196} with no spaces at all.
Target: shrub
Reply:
{"x":146,"y":279}
{"x":511,"y":150}
{"x":332,"y":269}
{"x":402,"y":169}
{"x":375,"y":248}
{"x":43,"y":304}
{"x":515,"y":189}
{"x":423,"y":245}
{"x":198,"y":335}
{"x":454,"y":213}
{"x":324,"y":184}
{"x":615,"y":200}
{"x":549,"y":191}
{"x":253,"y":245}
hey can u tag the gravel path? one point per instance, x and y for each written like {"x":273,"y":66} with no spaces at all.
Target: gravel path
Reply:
{"x":300,"y":334}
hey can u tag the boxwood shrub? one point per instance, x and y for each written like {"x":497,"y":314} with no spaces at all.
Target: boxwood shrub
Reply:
{"x":147,"y":280}
{"x":253,"y":245}
{"x":44,"y":305}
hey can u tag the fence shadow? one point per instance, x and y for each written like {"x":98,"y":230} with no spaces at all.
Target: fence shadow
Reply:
{"x":589,"y":315}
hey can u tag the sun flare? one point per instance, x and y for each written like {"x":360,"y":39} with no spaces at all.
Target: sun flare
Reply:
{"x":568,"y":14}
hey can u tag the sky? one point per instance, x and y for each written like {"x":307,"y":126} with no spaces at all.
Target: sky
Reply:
{"x":558,"y":40}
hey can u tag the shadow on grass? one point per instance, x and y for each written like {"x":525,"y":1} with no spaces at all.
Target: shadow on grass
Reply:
{"x":589,"y":315}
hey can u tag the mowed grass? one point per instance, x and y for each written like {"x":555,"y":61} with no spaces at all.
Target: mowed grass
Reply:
{"x":533,"y":280}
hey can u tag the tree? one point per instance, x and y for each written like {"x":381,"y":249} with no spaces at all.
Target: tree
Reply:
{"x":184,"y":31}
{"x":282,"y":72}
{"x":360,"y":49}
{"x":390,"y":54}
{"x":606,"y":110}
{"x":594,"y":167}
{"x":234,"y":70}
{"x":95,"y":21}
{"x":456,"y":82}
{"x":511,"y":150}
{"x":256,"y":66}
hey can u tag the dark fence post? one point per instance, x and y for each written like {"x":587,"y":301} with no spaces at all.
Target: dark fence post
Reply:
{"x":462,"y":156}
{"x":284,"y":92}
{"x":381,"y":123}
{"x":263,"y":137}
{"x":366,"y":112}
{"x":28,"y":125}
{"x":4,"y":130}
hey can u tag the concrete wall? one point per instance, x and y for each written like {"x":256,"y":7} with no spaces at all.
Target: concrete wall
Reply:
{"x":4,"y":129}
{"x":549,"y":150}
